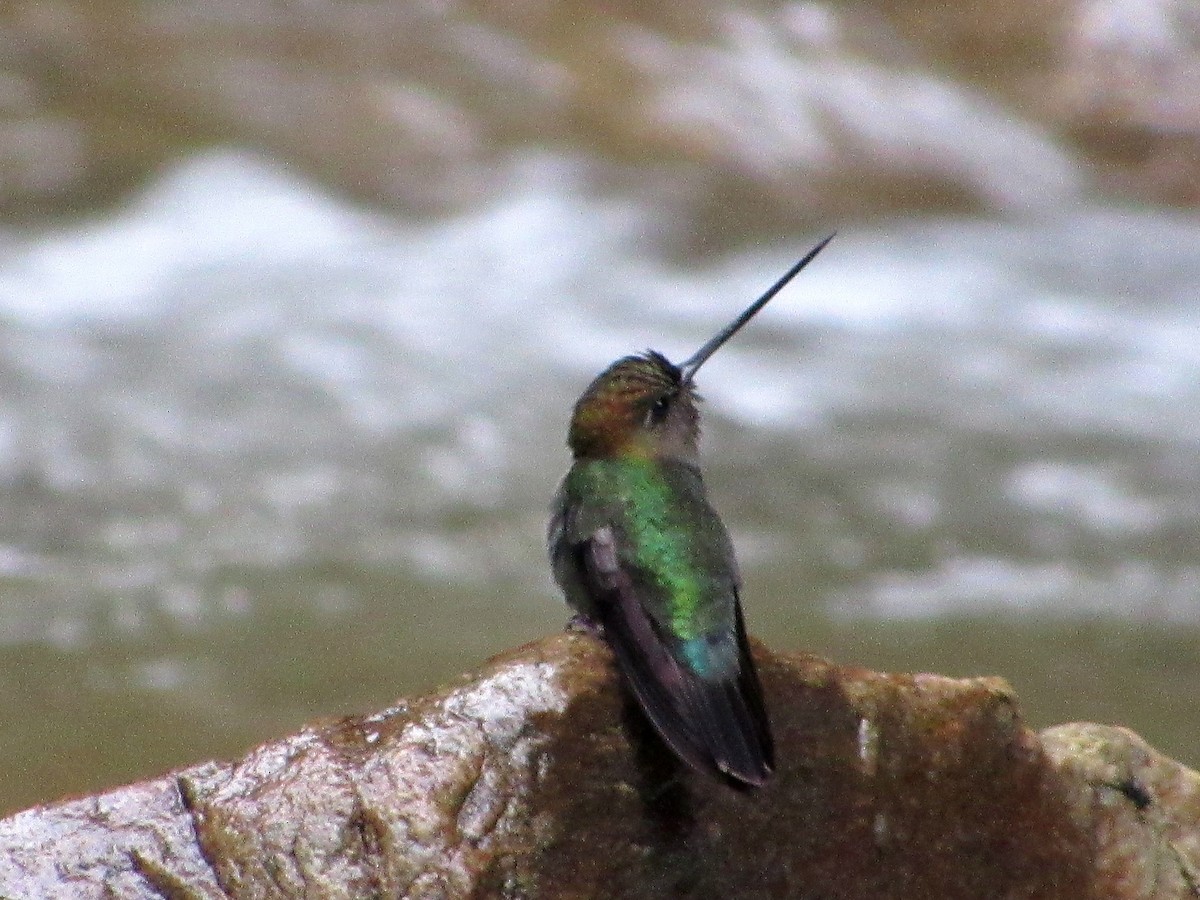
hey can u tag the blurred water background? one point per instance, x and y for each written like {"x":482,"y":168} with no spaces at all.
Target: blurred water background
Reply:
{"x":295,"y":299}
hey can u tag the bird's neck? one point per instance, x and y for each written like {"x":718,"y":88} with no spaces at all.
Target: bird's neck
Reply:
{"x":643,"y":453}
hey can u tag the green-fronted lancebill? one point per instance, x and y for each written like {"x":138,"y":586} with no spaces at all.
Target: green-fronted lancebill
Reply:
{"x":640,"y":553}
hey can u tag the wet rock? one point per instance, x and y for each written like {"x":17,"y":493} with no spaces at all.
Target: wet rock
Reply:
{"x":534,"y":778}
{"x":1114,"y":79}
{"x":792,"y":114}
{"x":1141,"y":807}
{"x":1127,"y":91}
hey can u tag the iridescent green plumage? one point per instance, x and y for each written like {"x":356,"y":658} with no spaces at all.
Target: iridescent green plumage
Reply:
{"x":638,"y":550}
{"x":670,"y":533}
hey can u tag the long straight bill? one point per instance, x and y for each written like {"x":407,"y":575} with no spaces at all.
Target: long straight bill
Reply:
{"x":696,"y":360}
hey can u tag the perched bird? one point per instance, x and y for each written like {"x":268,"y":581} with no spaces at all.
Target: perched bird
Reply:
{"x":639,"y":552}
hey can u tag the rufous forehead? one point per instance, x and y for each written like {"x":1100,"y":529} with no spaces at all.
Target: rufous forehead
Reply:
{"x":612,"y":400}
{"x":626,"y":383}
{"x":611,"y":408}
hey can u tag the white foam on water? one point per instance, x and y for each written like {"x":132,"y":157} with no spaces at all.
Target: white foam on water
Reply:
{"x":266,"y":374}
{"x":781,"y":95}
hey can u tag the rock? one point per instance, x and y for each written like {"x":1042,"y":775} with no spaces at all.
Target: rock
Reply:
{"x":792,"y":113}
{"x":534,"y":778}
{"x":1142,"y":809}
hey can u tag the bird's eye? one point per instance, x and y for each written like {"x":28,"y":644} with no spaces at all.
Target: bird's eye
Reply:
{"x":658,"y":411}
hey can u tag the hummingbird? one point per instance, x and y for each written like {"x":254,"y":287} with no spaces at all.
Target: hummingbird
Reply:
{"x":643,"y":558}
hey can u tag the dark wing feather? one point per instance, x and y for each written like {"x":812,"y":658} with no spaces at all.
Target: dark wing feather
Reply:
{"x":712,"y":724}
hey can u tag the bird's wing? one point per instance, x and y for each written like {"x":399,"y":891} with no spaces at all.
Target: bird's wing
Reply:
{"x":712,"y":723}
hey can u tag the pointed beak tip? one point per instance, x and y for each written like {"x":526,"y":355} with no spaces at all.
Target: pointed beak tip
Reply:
{"x":692,"y":364}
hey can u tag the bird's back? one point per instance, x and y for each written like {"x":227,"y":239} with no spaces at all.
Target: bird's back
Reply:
{"x":637,"y":548}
